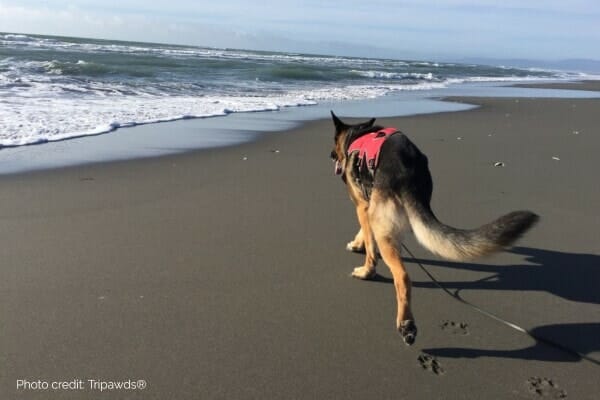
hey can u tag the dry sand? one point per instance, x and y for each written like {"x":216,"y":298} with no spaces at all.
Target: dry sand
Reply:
{"x":222,"y":274}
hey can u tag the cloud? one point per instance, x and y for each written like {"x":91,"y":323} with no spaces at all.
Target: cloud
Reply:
{"x":73,"y":21}
{"x":396,"y":28}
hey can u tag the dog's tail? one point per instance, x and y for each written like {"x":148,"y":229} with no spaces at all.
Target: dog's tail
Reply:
{"x":459,"y":244}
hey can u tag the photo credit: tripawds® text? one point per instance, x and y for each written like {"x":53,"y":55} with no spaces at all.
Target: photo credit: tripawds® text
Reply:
{"x":77,"y":384}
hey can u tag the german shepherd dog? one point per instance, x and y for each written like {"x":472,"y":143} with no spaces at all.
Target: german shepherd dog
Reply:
{"x":394,"y":195}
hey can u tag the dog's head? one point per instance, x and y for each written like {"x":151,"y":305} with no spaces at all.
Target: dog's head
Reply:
{"x":344,"y":134}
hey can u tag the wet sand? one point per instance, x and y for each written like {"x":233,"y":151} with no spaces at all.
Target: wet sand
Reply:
{"x":579,"y":85}
{"x":222,"y":274}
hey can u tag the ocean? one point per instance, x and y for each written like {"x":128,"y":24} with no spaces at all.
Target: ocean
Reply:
{"x":57,"y":88}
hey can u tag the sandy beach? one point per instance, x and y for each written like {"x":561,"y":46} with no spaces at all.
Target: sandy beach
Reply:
{"x":581,"y":85}
{"x":222,"y":274}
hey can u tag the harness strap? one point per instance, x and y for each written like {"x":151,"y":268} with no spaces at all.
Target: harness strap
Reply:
{"x":369,"y":146}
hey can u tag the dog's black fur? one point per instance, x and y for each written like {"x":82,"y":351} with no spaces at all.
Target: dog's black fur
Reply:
{"x":396,"y":195}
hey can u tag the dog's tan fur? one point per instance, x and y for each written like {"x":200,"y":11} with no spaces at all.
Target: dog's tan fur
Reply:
{"x":396,"y":196}
{"x":381,"y":224}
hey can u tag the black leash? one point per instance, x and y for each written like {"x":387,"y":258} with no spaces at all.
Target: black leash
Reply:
{"x":532,"y":335}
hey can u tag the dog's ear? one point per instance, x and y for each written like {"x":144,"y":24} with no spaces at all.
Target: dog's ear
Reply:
{"x":368,"y":124}
{"x":339,"y":125}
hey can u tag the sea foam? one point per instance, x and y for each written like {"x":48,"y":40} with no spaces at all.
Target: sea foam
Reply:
{"x":55,"y":88}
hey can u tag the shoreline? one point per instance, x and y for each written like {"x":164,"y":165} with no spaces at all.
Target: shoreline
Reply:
{"x":577,"y":85}
{"x":222,"y":273}
{"x":190,"y":135}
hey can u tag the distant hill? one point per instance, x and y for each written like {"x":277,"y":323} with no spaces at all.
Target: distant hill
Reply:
{"x":581,"y":65}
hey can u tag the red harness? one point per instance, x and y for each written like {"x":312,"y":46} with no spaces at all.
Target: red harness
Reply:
{"x":369,"y":146}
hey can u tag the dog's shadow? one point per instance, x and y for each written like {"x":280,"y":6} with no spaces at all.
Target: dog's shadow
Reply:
{"x":582,"y":337}
{"x":381,"y":279}
{"x":571,"y":276}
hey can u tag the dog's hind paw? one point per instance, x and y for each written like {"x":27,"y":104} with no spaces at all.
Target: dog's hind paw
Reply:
{"x":351,"y":246}
{"x":408,"y":331}
{"x":364,"y":273}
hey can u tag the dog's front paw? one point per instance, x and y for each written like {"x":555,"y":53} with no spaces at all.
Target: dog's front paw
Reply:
{"x":363,"y":273}
{"x":355,"y":248}
{"x":408,"y":331}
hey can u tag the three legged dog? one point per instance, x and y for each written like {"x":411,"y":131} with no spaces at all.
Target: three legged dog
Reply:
{"x":389,"y":182}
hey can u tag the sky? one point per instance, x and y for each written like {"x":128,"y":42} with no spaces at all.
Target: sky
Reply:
{"x":425,"y":29}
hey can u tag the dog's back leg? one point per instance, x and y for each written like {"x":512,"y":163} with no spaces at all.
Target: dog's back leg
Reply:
{"x":387,"y":221}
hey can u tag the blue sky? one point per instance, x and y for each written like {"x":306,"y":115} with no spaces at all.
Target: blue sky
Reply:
{"x":534,"y":29}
